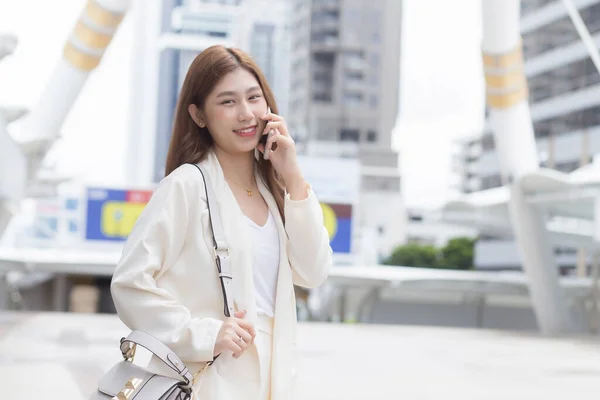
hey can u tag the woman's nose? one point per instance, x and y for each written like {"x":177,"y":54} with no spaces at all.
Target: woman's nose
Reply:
{"x":245,"y":112}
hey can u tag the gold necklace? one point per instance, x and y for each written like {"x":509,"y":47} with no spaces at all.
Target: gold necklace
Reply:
{"x":248,"y":191}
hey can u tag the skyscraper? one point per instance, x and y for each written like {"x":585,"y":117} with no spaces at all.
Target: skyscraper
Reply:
{"x":344,"y":98}
{"x":564,"y":89}
{"x":345,"y":76}
{"x":169,"y":35}
{"x":266,"y":37}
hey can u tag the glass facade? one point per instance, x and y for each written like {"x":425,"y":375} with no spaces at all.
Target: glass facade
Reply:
{"x":565,"y":130}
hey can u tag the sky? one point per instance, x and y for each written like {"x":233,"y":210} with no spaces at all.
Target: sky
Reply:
{"x":442,"y":93}
{"x":441,"y":90}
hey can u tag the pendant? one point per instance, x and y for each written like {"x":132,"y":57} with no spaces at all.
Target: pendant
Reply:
{"x":249,"y":191}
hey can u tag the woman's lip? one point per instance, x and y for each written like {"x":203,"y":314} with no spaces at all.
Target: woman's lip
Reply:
{"x":246,"y":134}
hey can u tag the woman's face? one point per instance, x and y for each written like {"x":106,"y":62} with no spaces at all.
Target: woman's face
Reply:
{"x":232,"y":112}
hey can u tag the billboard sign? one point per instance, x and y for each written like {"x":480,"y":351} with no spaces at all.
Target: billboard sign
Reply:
{"x":336,"y":182}
{"x":112,"y":213}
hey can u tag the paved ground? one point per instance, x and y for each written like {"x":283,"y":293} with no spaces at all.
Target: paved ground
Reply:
{"x":61,"y":356}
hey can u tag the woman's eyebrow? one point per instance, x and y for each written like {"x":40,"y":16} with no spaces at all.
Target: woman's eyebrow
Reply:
{"x":232,"y":93}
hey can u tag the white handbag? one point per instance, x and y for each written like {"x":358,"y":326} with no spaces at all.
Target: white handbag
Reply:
{"x":128,"y":381}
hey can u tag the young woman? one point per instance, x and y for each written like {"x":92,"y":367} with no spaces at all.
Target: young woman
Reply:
{"x":166,"y":282}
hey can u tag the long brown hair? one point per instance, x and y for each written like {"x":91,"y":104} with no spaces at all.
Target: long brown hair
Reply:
{"x":190,"y":143}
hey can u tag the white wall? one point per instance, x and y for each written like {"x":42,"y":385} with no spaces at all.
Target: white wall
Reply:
{"x":436,"y":233}
{"x":382,"y":210}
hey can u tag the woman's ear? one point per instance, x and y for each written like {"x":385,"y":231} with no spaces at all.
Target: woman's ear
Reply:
{"x":195,"y":114}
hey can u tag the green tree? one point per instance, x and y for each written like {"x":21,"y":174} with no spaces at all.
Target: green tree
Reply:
{"x":458,"y":253}
{"x":414,"y":255}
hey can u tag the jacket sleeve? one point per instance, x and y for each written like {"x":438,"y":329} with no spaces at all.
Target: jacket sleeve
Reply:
{"x":152,"y":247}
{"x":308,"y":246}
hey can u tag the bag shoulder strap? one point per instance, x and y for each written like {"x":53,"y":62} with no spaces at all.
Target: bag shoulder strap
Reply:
{"x":220,"y":249}
{"x":156,"y":347}
{"x":221,"y":255}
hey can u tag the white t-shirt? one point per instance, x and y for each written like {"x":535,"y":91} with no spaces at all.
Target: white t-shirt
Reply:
{"x":266,"y":264}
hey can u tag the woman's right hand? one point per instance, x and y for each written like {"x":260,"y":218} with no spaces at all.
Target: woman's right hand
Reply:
{"x":236,"y":334}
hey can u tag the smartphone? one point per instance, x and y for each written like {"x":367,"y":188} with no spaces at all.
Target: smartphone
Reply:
{"x":264,"y":138}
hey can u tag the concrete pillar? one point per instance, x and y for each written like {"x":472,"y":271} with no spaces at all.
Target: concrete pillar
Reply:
{"x":506,"y":96}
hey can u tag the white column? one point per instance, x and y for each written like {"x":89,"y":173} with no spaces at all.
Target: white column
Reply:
{"x":13,"y":169}
{"x":37,"y":132}
{"x":143,"y":101}
{"x":83,"y":51}
{"x":513,"y":134}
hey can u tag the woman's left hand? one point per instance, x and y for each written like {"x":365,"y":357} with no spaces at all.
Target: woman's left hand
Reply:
{"x":283,"y":149}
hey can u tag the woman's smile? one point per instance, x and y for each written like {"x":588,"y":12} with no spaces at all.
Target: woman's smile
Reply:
{"x":246,"y":132}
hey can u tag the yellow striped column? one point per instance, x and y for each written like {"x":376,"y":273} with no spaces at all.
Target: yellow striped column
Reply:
{"x":83,"y":51}
{"x":92,"y":34}
{"x":510,"y":120}
{"x":505,"y":80}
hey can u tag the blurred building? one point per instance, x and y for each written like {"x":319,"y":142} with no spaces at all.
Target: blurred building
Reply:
{"x":169,"y":34}
{"x":345,"y":96}
{"x":425,"y":227}
{"x":353,"y":102}
{"x":267,"y":38}
{"x":564,"y":97}
{"x":564,"y":88}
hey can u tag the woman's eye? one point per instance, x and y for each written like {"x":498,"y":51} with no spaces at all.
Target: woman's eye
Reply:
{"x":254,"y":97}
{"x":227,"y":102}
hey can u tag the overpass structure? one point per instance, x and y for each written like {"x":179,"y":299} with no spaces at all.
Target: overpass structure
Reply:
{"x":25,"y":141}
{"x":538,"y":207}
{"x":350,"y":291}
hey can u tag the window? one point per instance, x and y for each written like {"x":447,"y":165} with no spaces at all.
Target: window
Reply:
{"x":567,"y":167}
{"x":555,"y":34}
{"x":491,"y":181}
{"x":564,"y":251}
{"x":322,"y":96}
{"x":325,"y":16}
{"x":46,"y":227}
{"x":569,"y":78}
{"x":567,"y":123}
{"x":487,"y":142}
{"x":380,"y":183}
{"x":71,"y":204}
{"x":541,"y":129}
{"x":330,"y":3}
{"x":591,"y":17}
{"x":353,"y":59}
{"x":353,"y":76}
{"x":375,"y":60}
{"x":376,"y":37}
{"x":325,"y":37}
{"x":323,"y":69}
{"x":349,"y":135}
{"x":73,"y":226}
{"x":353,"y":99}
{"x":373,"y":101}
{"x":415,"y":217}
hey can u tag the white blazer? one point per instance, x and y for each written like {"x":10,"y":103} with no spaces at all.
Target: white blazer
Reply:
{"x":166,"y":282}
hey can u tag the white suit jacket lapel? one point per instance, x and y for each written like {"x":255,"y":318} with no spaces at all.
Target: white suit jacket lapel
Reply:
{"x":238,"y":237}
